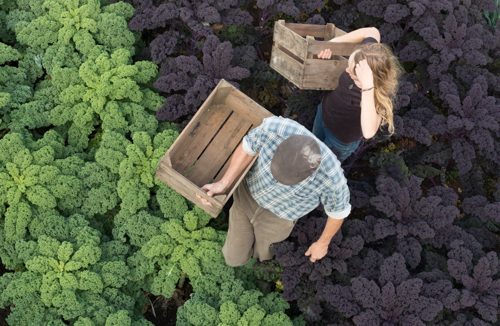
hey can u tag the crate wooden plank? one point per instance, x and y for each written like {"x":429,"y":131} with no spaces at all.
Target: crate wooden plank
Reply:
{"x":188,"y":189}
{"x":344,"y":49}
{"x":339,"y":32}
{"x":222,"y":171}
{"x":178,"y":146}
{"x":200,"y":135}
{"x":330,"y":31}
{"x":206,"y":167}
{"x":308,"y":29}
{"x":322,"y":74}
{"x":284,"y":37}
{"x":246,"y":107}
{"x":288,"y":67}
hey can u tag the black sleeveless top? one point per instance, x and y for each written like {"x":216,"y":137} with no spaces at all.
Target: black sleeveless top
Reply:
{"x":342,"y":108}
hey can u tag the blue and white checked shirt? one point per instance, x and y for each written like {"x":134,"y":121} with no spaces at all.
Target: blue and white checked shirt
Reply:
{"x":327,"y":185}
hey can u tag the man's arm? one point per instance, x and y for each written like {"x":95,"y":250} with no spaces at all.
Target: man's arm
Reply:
{"x":239,"y":162}
{"x":242,"y":156}
{"x":318,"y":249}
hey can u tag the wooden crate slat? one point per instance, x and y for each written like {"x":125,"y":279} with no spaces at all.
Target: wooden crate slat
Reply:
{"x":188,"y":190}
{"x":288,"y":39}
{"x":330,"y":31}
{"x":308,"y":29}
{"x":243,"y":105}
{"x":288,"y":67}
{"x":200,"y":135}
{"x":319,"y":73}
{"x":338,"y":32}
{"x":344,"y":49}
{"x":179,"y":144}
{"x":206,"y":167}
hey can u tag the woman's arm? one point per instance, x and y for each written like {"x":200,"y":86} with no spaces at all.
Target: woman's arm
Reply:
{"x":370,"y":120}
{"x":358,"y":35}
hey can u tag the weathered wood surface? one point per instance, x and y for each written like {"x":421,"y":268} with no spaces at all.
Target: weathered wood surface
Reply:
{"x":246,"y":107}
{"x":187,"y":189}
{"x":178,"y":145}
{"x":322,"y":74}
{"x":306,"y":71}
{"x":287,"y":66}
{"x":288,"y":39}
{"x":218,"y":151}
{"x":345,"y":49}
{"x":202,"y":152}
{"x":199,"y":135}
{"x":308,"y":29}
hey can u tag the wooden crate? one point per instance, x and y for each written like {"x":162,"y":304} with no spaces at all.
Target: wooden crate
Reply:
{"x":202,"y":152}
{"x":295,"y":54}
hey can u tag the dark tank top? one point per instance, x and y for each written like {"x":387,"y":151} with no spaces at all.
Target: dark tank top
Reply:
{"x":342,"y":108}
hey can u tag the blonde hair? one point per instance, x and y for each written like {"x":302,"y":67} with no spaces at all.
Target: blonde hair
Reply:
{"x":386,"y":72}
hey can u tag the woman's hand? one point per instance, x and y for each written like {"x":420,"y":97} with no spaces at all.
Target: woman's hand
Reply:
{"x":325,"y":54}
{"x":364,"y":74}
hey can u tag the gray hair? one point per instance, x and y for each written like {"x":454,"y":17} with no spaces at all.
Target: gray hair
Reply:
{"x":312,"y":156}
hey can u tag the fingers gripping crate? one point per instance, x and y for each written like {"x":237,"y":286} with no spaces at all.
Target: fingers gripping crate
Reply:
{"x":295,"y":50}
{"x":202,"y":152}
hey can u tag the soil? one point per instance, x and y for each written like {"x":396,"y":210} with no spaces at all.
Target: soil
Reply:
{"x":163,"y":311}
{"x":3,"y":312}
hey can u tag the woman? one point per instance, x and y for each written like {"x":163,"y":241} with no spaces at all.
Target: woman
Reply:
{"x":363,"y":99}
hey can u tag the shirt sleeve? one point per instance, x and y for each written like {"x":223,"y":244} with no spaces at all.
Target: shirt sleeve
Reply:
{"x":369,"y":40}
{"x":336,"y":202}
{"x":253,"y":141}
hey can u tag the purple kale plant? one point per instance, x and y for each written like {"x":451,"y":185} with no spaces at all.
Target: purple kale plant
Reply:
{"x":473,"y":123}
{"x":482,"y":209}
{"x":186,"y":81}
{"x":406,"y":212}
{"x":449,"y":34}
{"x":178,"y":27}
{"x":479,"y":282}
{"x":301,"y":278}
{"x":196,"y":16}
{"x":270,"y":9}
{"x":391,"y":298}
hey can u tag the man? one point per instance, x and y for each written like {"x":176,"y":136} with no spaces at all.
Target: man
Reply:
{"x":292,"y":175}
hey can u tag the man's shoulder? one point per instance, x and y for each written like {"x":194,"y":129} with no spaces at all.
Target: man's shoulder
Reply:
{"x":332,"y":171}
{"x":283,"y":127}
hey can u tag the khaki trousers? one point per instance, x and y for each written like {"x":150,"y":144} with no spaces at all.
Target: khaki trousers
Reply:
{"x":252,"y":229}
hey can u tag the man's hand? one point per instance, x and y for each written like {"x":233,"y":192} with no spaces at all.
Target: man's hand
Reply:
{"x":215,"y":188}
{"x":212,"y":189}
{"x":317,"y":251}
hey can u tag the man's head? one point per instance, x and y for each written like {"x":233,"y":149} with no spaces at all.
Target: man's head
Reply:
{"x":295,"y":159}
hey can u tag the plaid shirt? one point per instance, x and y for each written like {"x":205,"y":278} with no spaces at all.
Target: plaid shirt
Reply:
{"x":327,"y":185}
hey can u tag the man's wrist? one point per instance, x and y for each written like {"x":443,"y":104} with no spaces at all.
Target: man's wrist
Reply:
{"x":323,"y":242}
{"x":225,"y":183}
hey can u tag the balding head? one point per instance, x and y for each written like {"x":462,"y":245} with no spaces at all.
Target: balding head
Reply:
{"x":295,"y":159}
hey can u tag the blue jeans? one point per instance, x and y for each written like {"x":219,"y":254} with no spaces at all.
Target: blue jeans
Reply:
{"x":340,"y":149}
